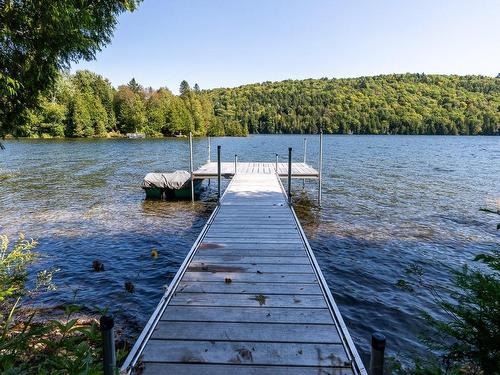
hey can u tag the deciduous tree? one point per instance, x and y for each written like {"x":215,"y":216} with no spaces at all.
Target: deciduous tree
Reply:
{"x":39,"y":38}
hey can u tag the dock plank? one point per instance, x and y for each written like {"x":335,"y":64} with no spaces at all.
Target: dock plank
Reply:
{"x":261,"y":314}
{"x":263,"y":277}
{"x":245,"y":300}
{"x":243,"y":331}
{"x":248,"y":288}
{"x":221,"y":267}
{"x":241,"y":352}
{"x":208,"y":369}
{"x":244,"y":259}
{"x":280,"y":253}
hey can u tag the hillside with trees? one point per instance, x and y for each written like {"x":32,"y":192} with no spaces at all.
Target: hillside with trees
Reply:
{"x":87,"y":105}
{"x":389,"y":104}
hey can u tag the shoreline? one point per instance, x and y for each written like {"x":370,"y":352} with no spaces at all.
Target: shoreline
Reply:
{"x":13,"y":138}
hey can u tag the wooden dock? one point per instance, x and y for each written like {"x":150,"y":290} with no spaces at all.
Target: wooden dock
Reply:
{"x":250,"y":297}
{"x":299,"y":170}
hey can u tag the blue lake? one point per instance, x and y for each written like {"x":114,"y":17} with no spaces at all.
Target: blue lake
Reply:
{"x":388,"y":202}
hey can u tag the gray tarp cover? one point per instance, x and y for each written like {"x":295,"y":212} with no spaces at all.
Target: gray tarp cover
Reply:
{"x":173,"y":180}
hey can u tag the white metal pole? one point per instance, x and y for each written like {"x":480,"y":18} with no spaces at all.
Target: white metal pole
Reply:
{"x":289,"y":175}
{"x":320,"y":172}
{"x":305,"y":159}
{"x":208,"y":160}
{"x":305,"y":150}
{"x":191,"y":164}
{"x":219,"y":167}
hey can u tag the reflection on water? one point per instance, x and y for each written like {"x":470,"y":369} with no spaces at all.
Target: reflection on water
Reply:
{"x":388,"y":202}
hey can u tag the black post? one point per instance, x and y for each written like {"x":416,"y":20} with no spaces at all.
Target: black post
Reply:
{"x":108,"y":344}
{"x":218,"y":173}
{"x":377,"y":356}
{"x":289,"y":175}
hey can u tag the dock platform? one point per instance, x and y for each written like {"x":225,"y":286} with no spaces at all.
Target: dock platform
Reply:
{"x":249,"y":297}
{"x":299,"y":170}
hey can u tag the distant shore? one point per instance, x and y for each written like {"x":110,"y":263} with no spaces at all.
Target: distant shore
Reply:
{"x":123,"y":136}
{"x":86,"y":105}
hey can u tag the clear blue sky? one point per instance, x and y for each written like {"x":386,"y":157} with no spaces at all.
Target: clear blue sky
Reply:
{"x":220,"y":43}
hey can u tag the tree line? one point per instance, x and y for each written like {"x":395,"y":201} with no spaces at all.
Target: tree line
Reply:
{"x":87,"y":105}
{"x":39,"y":39}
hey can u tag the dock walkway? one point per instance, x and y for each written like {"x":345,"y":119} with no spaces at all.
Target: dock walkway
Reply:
{"x":249,"y":298}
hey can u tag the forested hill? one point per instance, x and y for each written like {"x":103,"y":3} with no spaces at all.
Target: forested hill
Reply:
{"x":388,"y":104}
{"x":86,"y":105}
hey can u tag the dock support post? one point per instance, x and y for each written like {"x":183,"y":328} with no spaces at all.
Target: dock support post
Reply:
{"x":106,"y":324}
{"x":377,"y":354}
{"x":320,"y":169}
{"x":277,"y":164}
{"x":289,"y":175}
{"x":191,"y":164}
{"x":305,"y":160}
{"x":218,"y":174}
{"x":235,"y":163}
{"x":208,"y":160}
{"x":305,"y":150}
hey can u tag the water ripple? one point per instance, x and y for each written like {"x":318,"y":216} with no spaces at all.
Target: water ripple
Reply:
{"x":388,"y":202}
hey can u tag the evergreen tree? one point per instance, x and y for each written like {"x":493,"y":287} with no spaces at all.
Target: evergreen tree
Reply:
{"x":130,"y":110}
{"x":185,"y":89}
{"x":135,"y":87}
{"x":158,"y":108}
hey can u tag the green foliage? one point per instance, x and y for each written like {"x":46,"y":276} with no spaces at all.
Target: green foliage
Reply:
{"x":13,"y":273}
{"x":158,"y":110}
{"x":130,"y":110}
{"x":65,"y":346}
{"x":135,"y":87}
{"x":80,"y":124}
{"x":468,"y":341}
{"x":388,"y":104}
{"x":185,"y":89}
{"x":40,"y":38}
{"x":97,"y":95}
{"x":86,"y":105}
{"x":179,"y":119}
{"x":53,"y":119}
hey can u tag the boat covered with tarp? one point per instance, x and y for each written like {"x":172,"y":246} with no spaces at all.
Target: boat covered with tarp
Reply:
{"x":170,"y":185}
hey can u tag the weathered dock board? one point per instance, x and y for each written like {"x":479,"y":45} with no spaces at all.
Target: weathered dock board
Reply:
{"x":299,"y":170}
{"x":249,"y":298}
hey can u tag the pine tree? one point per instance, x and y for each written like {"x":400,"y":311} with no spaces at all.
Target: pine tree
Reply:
{"x":184,"y":89}
{"x":135,"y":87}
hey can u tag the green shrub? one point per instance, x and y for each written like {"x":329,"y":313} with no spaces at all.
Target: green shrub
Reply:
{"x":468,"y":341}
{"x":33,"y":346}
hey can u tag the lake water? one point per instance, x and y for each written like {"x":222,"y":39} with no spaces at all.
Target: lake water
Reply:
{"x":388,"y":202}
